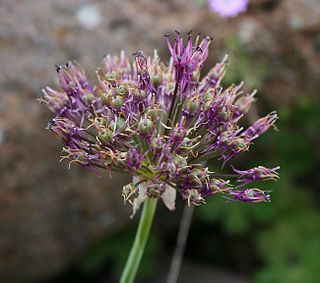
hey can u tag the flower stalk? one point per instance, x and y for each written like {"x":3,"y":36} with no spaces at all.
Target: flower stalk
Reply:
{"x":137,"y":249}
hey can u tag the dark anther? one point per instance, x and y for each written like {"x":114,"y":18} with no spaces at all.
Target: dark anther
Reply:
{"x":167,"y":35}
{"x":138,"y":54}
{"x":58,"y":68}
{"x":50,"y":125}
{"x":199,"y":49}
{"x":177,"y":32}
{"x":68,"y":64}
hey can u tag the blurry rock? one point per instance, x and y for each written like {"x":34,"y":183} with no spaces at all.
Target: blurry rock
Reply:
{"x":303,"y":14}
{"x":253,"y":34}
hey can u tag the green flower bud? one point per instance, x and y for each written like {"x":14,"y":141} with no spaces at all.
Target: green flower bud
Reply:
{"x":105,"y":136}
{"x":146,"y":126}
{"x":191,"y":106}
{"x":88,"y":98}
{"x":105,"y":98}
{"x":156,"y":80}
{"x":118,"y":125}
{"x":153,"y":113}
{"x":122,"y":90}
{"x":139,"y":95}
{"x":111,"y":77}
{"x":117,"y":102}
{"x":170,"y":86}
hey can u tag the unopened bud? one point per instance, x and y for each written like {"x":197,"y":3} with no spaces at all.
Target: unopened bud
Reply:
{"x":117,"y":102}
{"x":156,"y":80}
{"x":118,"y":125}
{"x":145,"y":126}
{"x":139,"y":95}
{"x":105,"y":136}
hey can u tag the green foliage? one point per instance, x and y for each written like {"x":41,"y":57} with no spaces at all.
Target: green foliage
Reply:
{"x":291,"y":248}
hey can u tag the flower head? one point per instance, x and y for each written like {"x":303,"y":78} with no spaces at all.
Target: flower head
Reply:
{"x":228,"y":8}
{"x":159,"y":122}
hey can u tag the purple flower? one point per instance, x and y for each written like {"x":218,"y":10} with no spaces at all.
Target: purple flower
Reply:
{"x":228,"y":8}
{"x":259,"y":173}
{"x":249,"y":195}
{"x":159,"y":122}
{"x":134,"y":159}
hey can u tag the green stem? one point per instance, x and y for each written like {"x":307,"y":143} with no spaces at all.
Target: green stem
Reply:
{"x":133,"y":261}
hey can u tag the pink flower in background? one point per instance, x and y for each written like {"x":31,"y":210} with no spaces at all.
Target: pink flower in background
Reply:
{"x":228,"y":8}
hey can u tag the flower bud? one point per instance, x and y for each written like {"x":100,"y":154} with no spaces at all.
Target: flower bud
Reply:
{"x":153,"y":113}
{"x":118,"y":125}
{"x":139,"y":95}
{"x":191,"y":106}
{"x":156,"y":80}
{"x":105,"y":136}
{"x":111,"y":77}
{"x":105,"y":97}
{"x":122,"y":90}
{"x":117,"y":102}
{"x":88,"y":98}
{"x":145,"y":126}
{"x":170,"y":86}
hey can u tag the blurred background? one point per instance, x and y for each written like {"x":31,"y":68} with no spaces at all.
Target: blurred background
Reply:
{"x":60,"y":225}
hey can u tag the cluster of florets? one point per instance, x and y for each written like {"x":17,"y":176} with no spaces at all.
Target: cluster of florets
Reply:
{"x":159,"y":123}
